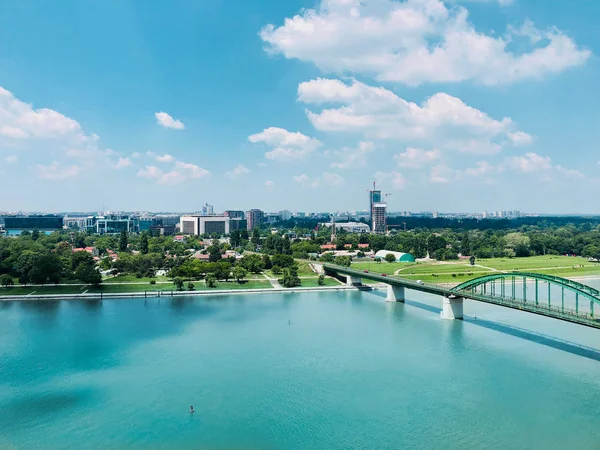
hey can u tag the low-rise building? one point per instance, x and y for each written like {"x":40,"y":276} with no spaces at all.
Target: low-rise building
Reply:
{"x":350,"y":227}
{"x":198,"y":225}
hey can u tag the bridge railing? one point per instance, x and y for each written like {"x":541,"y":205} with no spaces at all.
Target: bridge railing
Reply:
{"x":554,"y":311}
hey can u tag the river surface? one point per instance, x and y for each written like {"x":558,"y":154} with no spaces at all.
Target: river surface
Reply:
{"x":324,"y":370}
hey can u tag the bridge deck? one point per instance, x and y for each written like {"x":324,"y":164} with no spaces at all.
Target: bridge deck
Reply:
{"x":528,"y":306}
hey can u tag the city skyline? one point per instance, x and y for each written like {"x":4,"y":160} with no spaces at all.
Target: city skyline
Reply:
{"x":244,"y":108}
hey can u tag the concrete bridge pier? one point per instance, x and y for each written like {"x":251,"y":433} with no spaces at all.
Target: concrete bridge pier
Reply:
{"x":395,"y":294}
{"x":452,"y":308}
{"x":353,"y":281}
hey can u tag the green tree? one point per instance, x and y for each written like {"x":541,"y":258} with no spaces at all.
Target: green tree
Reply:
{"x":290,"y":277}
{"x":255,"y":236}
{"x":239,"y":273}
{"x":6,"y":280}
{"x":211,"y":281}
{"x":35,"y":234}
{"x":390,"y":257}
{"x":190,"y":286}
{"x":144,"y":243}
{"x":123,"y":241}
{"x":343,"y":261}
{"x":87,"y":273}
{"x":252,"y":263}
{"x":178,"y":282}
{"x":321,"y":280}
{"x":267,"y":261}
{"x":327,"y":257}
{"x":214,"y":253}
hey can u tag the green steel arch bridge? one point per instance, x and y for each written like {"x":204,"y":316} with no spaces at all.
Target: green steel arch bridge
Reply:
{"x":546,"y":295}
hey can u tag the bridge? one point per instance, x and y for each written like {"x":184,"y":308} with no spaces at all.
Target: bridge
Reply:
{"x":546,"y":295}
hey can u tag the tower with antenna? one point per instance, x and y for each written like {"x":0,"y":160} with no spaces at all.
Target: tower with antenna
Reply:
{"x":333,"y":229}
{"x":378,"y":211}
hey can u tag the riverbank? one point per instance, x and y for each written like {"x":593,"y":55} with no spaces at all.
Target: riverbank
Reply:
{"x":171,"y":293}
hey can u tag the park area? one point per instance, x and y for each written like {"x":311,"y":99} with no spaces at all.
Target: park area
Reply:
{"x":457,"y":272}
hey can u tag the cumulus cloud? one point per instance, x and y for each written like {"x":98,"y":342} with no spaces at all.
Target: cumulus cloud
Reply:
{"x":269,"y":184}
{"x":122,"y":163}
{"x":530,"y":164}
{"x":192,"y":170}
{"x":353,"y":158}
{"x":237,"y":172}
{"x":11,"y":159}
{"x":417,"y":41}
{"x":416,"y":157}
{"x":394,"y":180}
{"x":441,"y":120}
{"x":285,"y":146}
{"x":165,"y":120}
{"x":149,"y":172}
{"x":327,"y":179}
{"x":57,"y":171}
{"x":165,"y":158}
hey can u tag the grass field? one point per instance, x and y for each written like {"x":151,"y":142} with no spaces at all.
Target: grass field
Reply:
{"x":133,"y":279}
{"x":304,"y":270}
{"x":382,"y":267}
{"x":534,"y":262}
{"x":115,"y":288}
{"x":312,"y":282}
{"x":435,"y":272}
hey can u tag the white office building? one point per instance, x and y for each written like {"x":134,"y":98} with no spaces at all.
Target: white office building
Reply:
{"x":198,"y":225}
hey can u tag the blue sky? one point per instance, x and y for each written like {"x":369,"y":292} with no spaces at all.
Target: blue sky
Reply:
{"x":451,"y":106}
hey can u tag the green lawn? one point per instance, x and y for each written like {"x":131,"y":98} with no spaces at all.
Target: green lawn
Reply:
{"x":383,"y":267}
{"x":435,"y":272}
{"x":313,"y":282}
{"x":533,"y":262}
{"x":304,"y":270}
{"x":115,"y":288}
{"x":133,"y":279}
{"x":441,"y":268}
{"x":60,"y":289}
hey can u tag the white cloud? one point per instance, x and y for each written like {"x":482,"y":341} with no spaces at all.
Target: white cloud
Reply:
{"x":57,"y":171}
{"x":192,"y":170}
{"x":269,"y":184}
{"x":327,"y":179}
{"x":122,"y":163}
{"x":18,"y":120}
{"x":306,"y":181}
{"x":237,"y":172}
{"x":529,"y":162}
{"x":136,"y":154}
{"x":12,"y":132}
{"x":285,"y":146}
{"x":11,"y":159}
{"x":165,"y":120}
{"x":393,"y":179}
{"x":482,"y":168}
{"x":520,"y":138}
{"x":165,"y":158}
{"x":150,"y":172}
{"x":261,"y":164}
{"x":442,"y":174}
{"x":415,"y":42}
{"x":353,"y":158}
{"x":415,"y":157}
{"x":441,"y":120}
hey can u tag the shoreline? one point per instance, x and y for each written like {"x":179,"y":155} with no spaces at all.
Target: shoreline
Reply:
{"x":160,"y":294}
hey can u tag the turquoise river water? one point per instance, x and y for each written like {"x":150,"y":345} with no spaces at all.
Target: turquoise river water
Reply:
{"x":323,"y":370}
